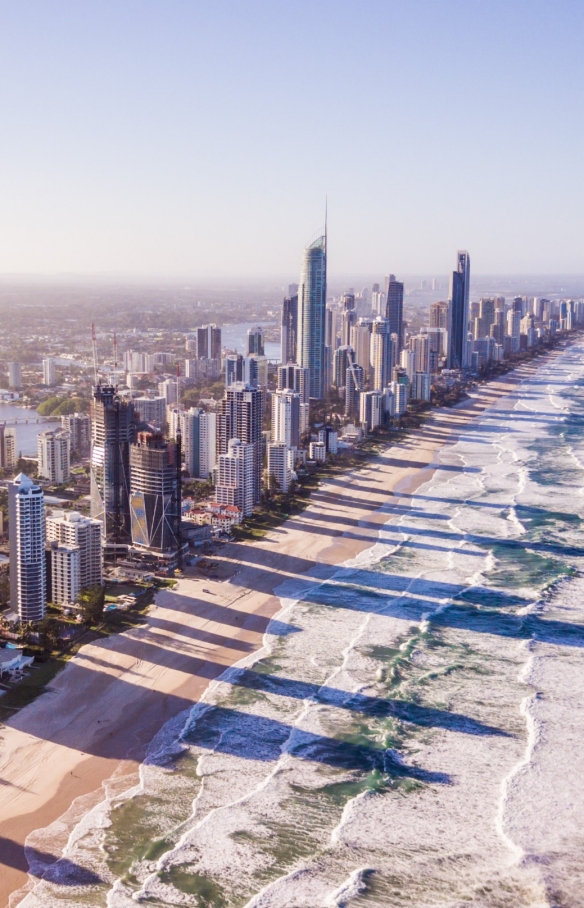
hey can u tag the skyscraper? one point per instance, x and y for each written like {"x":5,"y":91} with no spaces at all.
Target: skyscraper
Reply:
{"x":394,"y":308}
{"x":26,"y":508}
{"x":380,"y":354}
{"x":53,"y":447}
{"x":209,"y":342}
{"x":289,"y":329}
{"x":48,"y":372}
{"x":236,"y":479}
{"x":312,"y":315}
{"x":113,"y":429}
{"x":233,"y":368}
{"x":155,"y":493}
{"x":240,"y":417}
{"x":459,"y":312}
{"x":199,"y":438}
{"x":255,"y":341}
{"x":286,"y":418}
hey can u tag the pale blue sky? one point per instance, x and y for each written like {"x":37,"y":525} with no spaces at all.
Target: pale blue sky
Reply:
{"x":180,"y":137}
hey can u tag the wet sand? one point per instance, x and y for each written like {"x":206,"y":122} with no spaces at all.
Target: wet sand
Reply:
{"x":102,"y":711}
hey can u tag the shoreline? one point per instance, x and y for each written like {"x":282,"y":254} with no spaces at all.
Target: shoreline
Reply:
{"x":115,"y":695}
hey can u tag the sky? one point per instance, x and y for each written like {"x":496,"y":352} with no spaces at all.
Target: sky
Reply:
{"x":187,"y":138}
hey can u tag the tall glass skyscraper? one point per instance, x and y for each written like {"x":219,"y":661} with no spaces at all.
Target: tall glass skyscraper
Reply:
{"x":312,"y":316}
{"x":459,"y":312}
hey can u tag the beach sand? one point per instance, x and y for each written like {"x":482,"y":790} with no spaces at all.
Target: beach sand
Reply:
{"x":104,"y":708}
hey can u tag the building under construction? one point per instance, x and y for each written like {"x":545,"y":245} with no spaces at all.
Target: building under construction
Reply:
{"x":113,"y":430}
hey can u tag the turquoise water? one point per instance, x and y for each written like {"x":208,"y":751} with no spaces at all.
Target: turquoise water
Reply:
{"x":417,"y":741}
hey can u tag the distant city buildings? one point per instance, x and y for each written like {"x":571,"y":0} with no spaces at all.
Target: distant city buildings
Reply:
{"x":78,"y":425}
{"x":7,"y":447}
{"x":14,"y":376}
{"x":49,"y":372}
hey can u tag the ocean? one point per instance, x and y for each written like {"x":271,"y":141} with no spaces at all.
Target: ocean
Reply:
{"x":410,"y":734}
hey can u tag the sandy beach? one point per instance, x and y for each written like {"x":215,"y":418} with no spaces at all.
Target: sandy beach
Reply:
{"x":102,"y":711}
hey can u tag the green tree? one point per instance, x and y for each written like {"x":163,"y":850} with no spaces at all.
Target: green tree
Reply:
{"x":92,"y":602}
{"x":4,"y":589}
{"x":49,"y":630}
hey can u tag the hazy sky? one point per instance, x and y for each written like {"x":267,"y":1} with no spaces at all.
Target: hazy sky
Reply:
{"x":177,"y":137}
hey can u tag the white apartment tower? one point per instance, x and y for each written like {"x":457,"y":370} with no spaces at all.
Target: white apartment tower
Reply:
{"x":280,"y":465}
{"x":236,"y":476}
{"x":65,"y":574}
{"x":199,"y":439}
{"x":53,"y":449}
{"x":26,"y":507}
{"x":7,"y":448}
{"x":286,"y":418}
{"x":84,"y":533}
{"x":49,"y":375}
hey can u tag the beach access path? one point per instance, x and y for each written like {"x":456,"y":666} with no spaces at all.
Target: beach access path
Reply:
{"x":100,"y":713}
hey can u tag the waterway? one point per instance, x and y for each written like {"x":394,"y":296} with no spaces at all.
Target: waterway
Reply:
{"x":26,"y":433}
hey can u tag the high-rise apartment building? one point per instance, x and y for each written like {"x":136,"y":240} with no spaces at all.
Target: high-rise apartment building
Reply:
{"x":240,"y":417}
{"x":236,"y":476}
{"x":209,"y":342}
{"x":361,"y":344}
{"x":330,"y":330}
{"x":255,"y":370}
{"x":54,"y":457}
{"x":155,"y":493}
{"x":439,"y":315}
{"x":286,"y":418}
{"x":255,"y":341}
{"x":113,"y":430}
{"x":289,"y":329}
{"x":73,"y":529}
{"x":380,"y":353}
{"x":394,"y":311}
{"x":514,"y":329}
{"x":295,"y":378}
{"x":49,"y":372}
{"x":151,"y":410}
{"x":169,"y":389}
{"x":7,"y":447}
{"x":233,"y":368}
{"x":459,"y":312}
{"x":280,"y":465}
{"x":344,"y":357}
{"x":370,"y":409}
{"x":14,"y":375}
{"x":78,"y":425}
{"x":65,"y":573}
{"x":26,"y":509}
{"x":312,"y":316}
{"x":199,"y":439}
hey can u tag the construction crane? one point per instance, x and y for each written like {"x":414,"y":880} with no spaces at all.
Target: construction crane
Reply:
{"x":94,"y":346}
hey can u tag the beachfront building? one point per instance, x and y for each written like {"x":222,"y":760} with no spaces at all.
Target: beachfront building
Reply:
{"x":155,"y":493}
{"x":421,"y":386}
{"x":280,"y":469}
{"x":65,"y":571}
{"x":317,"y":451}
{"x":380,"y":353}
{"x":54,"y":456}
{"x":84,"y":533}
{"x":458,"y":312}
{"x":236,"y":476}
{"x":199,"y":438}
{"x":370,"y":410}
{"x":312,"y":315}
{"x":113,"y":430}
{"x":240,"y":417}
{"x":26,"y":510}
